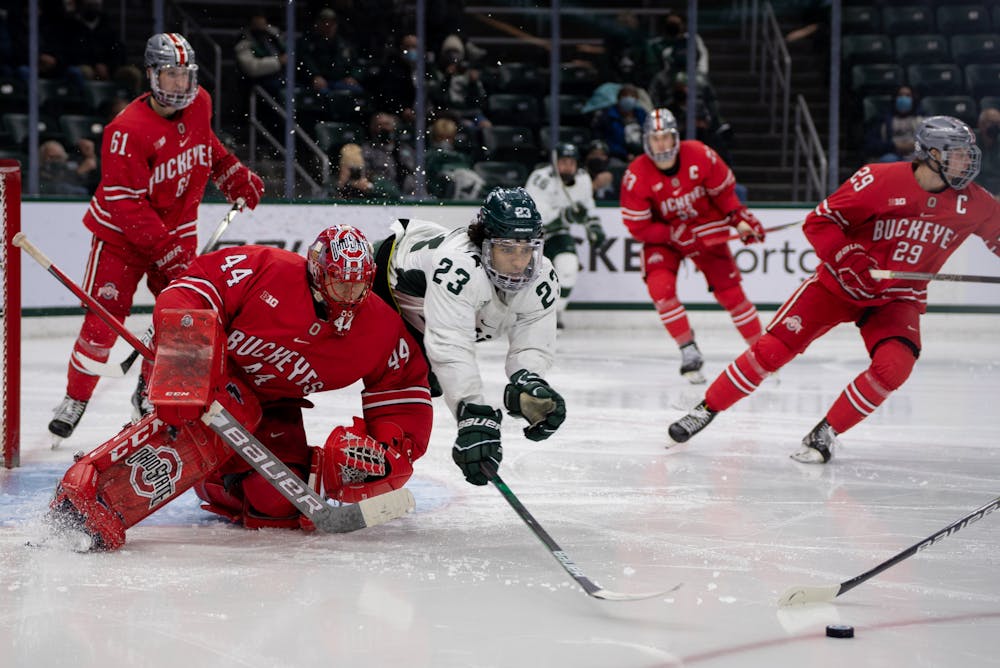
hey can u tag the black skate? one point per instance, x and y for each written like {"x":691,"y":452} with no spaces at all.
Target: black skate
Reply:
{"x":692,"y":423}
{"x":817,"y":446}
{"x":67,"y":416}
{"x":691,"y":363}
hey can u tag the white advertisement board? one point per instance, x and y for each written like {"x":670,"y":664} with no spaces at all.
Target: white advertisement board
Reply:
{"x":610,"y":277}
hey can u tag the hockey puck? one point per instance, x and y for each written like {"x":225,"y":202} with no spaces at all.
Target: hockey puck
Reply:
{"x":839,"y":631}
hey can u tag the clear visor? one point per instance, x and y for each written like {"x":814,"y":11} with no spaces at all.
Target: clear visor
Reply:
{"x":512,"y":264}
{"x":661,"y":146}
{"x":174,"y":86}
{"x":959,"y":166}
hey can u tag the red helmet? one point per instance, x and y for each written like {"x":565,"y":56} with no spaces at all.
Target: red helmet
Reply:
{"x":342,"y":268}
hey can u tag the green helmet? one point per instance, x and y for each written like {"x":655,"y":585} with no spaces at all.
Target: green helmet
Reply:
{"x":510,"y":213}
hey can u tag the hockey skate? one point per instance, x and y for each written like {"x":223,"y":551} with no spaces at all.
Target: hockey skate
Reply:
{"x":141,"y":406}
{"x":817,"y":446}
{"x":691,"y":363}
{"x":67,"y":416}
{"x":692,"y":423}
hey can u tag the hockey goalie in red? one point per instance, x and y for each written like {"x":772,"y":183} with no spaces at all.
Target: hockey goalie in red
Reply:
{"x":902,"y":216}
{"x":679,"y":200}
{"x":287,"y":327}
{"x":157,"y":156}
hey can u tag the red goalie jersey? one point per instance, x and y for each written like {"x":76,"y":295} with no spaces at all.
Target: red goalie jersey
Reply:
{"x":153,"y":173}
{"x":274,"y":334}
{"x":685,"y":209}
{"x":905,"y":228}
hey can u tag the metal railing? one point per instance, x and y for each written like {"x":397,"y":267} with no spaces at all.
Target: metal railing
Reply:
{"x":776,"y":69}
{"x":320,"y":189}
{"x":808,"y":150}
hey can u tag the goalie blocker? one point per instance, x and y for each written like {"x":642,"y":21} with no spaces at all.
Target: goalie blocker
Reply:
{"x":157,"y":459}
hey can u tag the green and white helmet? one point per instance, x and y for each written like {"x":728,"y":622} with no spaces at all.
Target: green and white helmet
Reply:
{"x":512,"y":225}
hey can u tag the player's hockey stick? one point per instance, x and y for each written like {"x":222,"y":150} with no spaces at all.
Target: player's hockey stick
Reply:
{"x":821,"y":594}
{"x":329,"y":519}
{"x":112,"y":370}
{"x":21,"y":241}
{"x":589,"y":586}
{"x":882,"y":274}
{"x":767,"y":230}
{"x":332,"y":519}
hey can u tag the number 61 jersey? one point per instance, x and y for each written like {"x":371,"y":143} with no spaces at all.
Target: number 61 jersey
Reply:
{"x":901,"y":225}
{"x":440,"y":286}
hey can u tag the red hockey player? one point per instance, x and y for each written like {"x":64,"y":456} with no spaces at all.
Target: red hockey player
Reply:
{"x":678,"y":199}
{"x":288,"y":326}
{"x":156,"y":159}
{"x":899,"y":216}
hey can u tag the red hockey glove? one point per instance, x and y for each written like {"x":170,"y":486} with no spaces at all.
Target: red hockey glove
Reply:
{"x":235,"y":180}
{"x":747,"y":225}
{"x":853,"y":266}
{"x":172,"y":258}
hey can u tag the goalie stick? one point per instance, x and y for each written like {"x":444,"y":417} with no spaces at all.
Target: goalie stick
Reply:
{"x":112,"y":370}
{"x":882,"y":274}
{"x":588,"y":585}
{"x":331,"y":519}
{"x":821,"y":594}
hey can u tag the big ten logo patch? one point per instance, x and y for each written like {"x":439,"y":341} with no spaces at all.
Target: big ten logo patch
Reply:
{"x":154,"y":473}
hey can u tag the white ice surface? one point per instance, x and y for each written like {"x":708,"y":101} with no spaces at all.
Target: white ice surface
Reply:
{"x":463,"y":582}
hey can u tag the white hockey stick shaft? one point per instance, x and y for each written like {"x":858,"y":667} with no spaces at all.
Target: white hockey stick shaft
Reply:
{"x":882,"y":274}
{"x":819,"y":594}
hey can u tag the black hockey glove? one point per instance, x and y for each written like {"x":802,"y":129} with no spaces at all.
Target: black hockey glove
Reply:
{"x":575,"y":214}
{"x":595,"y":232}
{"x":529,"y":396}
{"x":478,"y":440}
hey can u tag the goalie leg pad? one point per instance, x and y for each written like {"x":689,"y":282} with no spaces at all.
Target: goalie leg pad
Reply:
{"x":354,"y":466}
{"x":126,"y":479}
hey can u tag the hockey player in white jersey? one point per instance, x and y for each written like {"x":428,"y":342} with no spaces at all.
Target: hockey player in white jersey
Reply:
{"x":564,"y":196}
{"x":457,"y":287}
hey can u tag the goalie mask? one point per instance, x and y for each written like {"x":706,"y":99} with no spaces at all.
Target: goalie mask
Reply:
{"x":660,"y":121}
{"x":958,"y":158}
{"x":512,"y":247}
{"x":341,"y":270}
{"x":173,"y":74}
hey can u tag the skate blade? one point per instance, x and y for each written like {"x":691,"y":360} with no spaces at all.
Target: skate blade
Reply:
{"x":56,"y":441}
{"x":694,"y":377}
{"x":807,"y":456}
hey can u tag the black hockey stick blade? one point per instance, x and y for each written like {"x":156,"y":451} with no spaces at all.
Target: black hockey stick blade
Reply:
{"x":588,"y":585}
{"x":820,"y":594}
{"x":327,"y":518}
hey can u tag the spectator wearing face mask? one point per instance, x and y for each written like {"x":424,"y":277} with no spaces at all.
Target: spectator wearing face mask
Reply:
{"x":457,"y":85}
{"x":620,"y":126}
{"x":261,"y":55}
{"x":387,"y":156}
{"x":892,"y":140}
{"x":393,"y":87}
{"x":988,"y":138}
{"x":58,"y":175}
{"x":595,"y":161}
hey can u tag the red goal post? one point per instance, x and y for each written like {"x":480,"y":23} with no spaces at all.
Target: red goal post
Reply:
{"x":10,"y":314}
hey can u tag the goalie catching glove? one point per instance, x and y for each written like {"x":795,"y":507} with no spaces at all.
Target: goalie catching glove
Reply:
{"x":478,"y":440}
{"x":354,"y":466}
{"x":235,"y":180}
{"x":529,"y":396}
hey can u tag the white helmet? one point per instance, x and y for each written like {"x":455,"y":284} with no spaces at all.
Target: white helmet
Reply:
{"x":952,"y":138}
{"x":171,"y":50}
{"x":660,"y":120}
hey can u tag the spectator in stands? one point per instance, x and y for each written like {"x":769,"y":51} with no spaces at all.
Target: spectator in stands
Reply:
{"x":387,"y":156}
{"x":893,"y":139}
{"x":457,"y":85}
{"x":393,"y":89}
{"x":988,"y":138}
{"x":449,"y":171}
{"x":670,"y":50}
{"x":710,"y":127}
{"x":353,"y":183}
{"x":58,"y":175}
{"x":620,"y":126}
{"x":261,"y":56}
{"x":595,"y":161}
{"x":328,"y":61}
{"x":93,"y":48}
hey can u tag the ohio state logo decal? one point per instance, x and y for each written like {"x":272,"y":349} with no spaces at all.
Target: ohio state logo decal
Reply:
{"x":155,"y":472}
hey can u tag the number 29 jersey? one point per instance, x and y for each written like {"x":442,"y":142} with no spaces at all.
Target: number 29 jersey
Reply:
{"x":440,"y":286}
{"x":901,"y":225}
